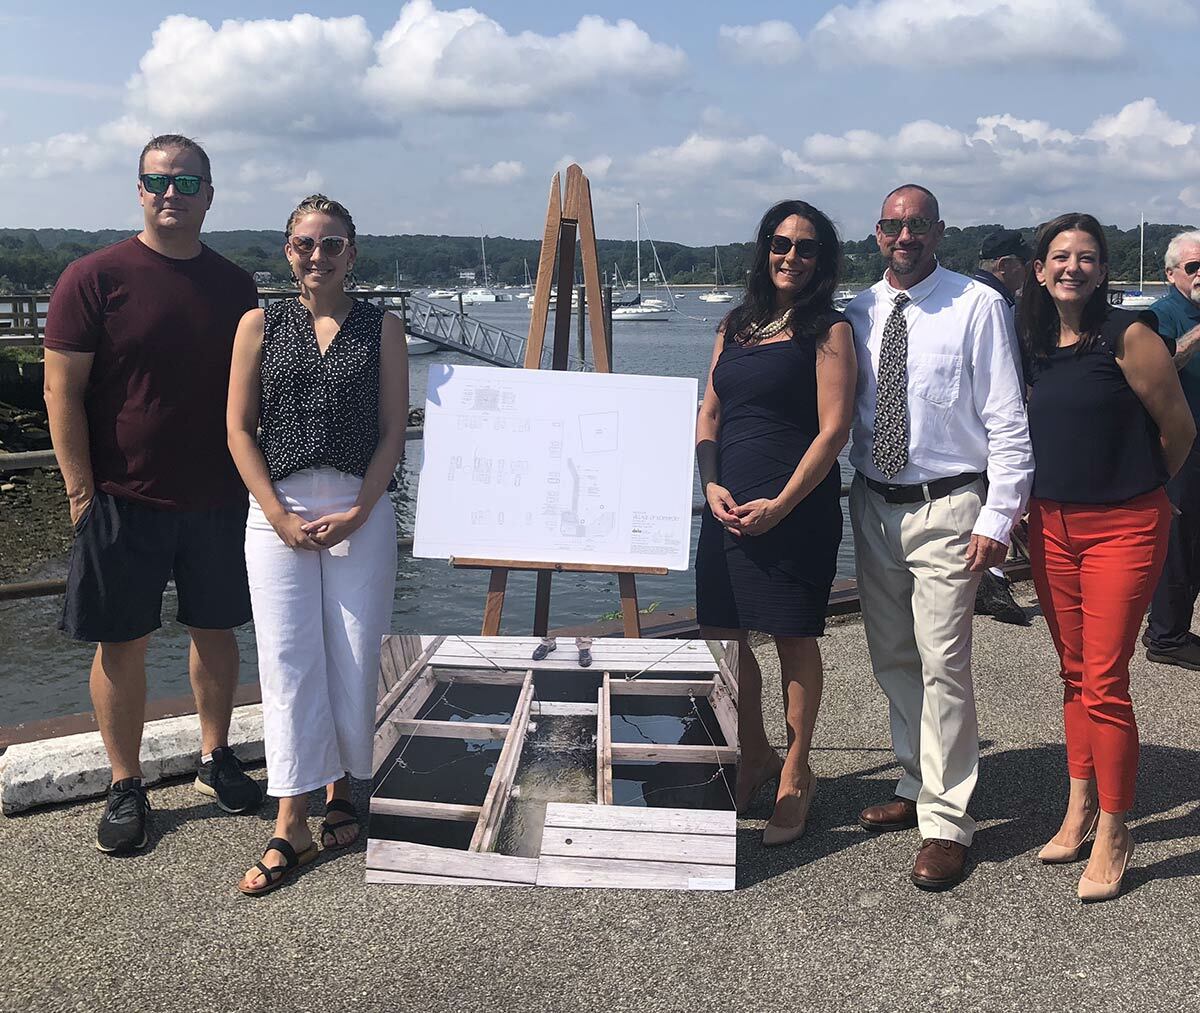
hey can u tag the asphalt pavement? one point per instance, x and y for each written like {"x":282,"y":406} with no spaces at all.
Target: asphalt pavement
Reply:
{"x":830,"y":923}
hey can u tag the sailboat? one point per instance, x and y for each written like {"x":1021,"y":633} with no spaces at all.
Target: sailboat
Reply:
{"x":526,"y":292}
{"x":716,"y":294}
{"x":483,"y":293}
{"x":1139,"y":300}
{"x":646,"y":310}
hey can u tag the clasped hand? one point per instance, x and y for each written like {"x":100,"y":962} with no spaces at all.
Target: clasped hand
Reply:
{"x":322,"y":533}
{"x":756,"y":517}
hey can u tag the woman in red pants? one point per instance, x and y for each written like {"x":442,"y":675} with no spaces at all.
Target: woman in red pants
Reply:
{"x":1109,"y":424}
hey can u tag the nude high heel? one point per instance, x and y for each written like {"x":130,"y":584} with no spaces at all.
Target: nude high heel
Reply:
{"x":1090,"y":891}
{"x":775,"y":835}
{"x":1060,"y":854}
{"x":770,"y":773}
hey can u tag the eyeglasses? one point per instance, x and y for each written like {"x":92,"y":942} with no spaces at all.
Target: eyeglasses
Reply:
{"x":331,"y":246}
{"x":1190,"y":268}
{"x":894,"y":226}
{"x":159,"y":183}
{"x":806,"y":249}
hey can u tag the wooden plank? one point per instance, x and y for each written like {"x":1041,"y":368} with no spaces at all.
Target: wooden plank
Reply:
{"x":424,"y":810}
{"x":629,"y":604}
{"x":605,"y":779}
{"x":404,"y":856}
{"x":493,"y":607}
{"x":472,"y":563}
{"x":600,"y":753}
{"x":401,"y":683}
{"x":726,"y":711}
{"x":452,"y":729}
{"x":482,"y":677}
{"x":568,"y":661}
{"x":623,"y":845}
{"x":727,"y":668}
{"x":693,"y":651}
{"x":623,"y":751}
{"x":419,"y":879}
{"x":708,"y":822}
{"x":632,"y":875}
{"x":594,"y":301}
{"x":558,"y":709}
{"x":662,"y":687}
{"x":536,"y":338}
{"x":496,"y":799}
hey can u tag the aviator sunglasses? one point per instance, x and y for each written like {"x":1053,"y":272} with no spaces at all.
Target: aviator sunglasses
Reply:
{"x":894,"y":226}
{"x":159,"y":183}
{"x":331,"y":246}
{"x":806,"y":249}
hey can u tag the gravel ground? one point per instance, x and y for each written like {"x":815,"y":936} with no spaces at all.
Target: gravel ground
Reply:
{"x":830,"y":923}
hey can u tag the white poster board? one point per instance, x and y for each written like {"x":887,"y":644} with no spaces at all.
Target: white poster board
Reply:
{"x":539,"y":466}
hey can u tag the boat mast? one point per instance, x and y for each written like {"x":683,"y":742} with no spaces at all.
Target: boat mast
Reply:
{"x":638,"y":232}
{"x":1142,"y":255}
{"x":483,"y":249}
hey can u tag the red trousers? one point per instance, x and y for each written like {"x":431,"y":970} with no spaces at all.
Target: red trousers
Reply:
{"x":1095,"y":569}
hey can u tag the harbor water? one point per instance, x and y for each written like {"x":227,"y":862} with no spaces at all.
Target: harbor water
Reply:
{"x":43,"y":674}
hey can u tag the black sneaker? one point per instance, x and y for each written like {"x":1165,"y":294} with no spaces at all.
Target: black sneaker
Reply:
{"x":542,"y":650}
{"x":222,"y":778}
{"x":1187,"y":656}
{"x":123,"y":825}
{"x":994,"y":598}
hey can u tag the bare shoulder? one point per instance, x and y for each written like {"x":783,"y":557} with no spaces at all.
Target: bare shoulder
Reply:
{"x":393,"y":327}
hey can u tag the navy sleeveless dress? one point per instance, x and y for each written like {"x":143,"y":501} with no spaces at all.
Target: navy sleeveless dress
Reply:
{"x":777,"y":582}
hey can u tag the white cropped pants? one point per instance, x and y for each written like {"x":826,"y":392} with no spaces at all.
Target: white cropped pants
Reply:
{"x":318,"y":620}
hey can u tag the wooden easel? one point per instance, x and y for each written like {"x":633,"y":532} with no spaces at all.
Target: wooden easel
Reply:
{"x":563,"y":218}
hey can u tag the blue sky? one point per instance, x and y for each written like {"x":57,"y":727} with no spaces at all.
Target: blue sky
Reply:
{"x":427,"y":117}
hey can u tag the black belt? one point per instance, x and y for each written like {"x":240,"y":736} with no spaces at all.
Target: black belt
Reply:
{"x":924,"y":492}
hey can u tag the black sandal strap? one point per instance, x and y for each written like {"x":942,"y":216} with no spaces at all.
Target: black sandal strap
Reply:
{"x":340,"y":805}
{"x":270,"y":875}
{"x":284,"y":848}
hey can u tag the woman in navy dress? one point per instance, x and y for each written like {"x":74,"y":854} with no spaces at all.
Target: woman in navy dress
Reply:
{"x":776,"y":413}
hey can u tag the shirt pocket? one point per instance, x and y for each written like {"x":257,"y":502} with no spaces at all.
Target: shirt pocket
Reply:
{"x":935,"y":377}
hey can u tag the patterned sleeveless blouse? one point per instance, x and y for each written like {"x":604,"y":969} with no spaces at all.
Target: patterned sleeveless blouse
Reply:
{"x":319,"y":410}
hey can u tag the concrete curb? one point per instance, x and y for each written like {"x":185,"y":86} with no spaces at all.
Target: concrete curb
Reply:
{"x":76,"y":767}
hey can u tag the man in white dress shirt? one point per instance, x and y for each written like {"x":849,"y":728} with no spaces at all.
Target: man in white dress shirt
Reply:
{"x":943,"y":469}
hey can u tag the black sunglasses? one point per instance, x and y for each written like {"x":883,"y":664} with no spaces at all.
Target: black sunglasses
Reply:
{"x":1191,"y":267}
{"x":331,"y":246}
{"x":159,"y":183}
{"x":894,"y":226}
{"x":806,"y":249}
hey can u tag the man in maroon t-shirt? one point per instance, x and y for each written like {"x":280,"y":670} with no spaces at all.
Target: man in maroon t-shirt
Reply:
{"x":138,"y":343}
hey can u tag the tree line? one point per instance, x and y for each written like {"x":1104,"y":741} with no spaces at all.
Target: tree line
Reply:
{"x":32,"y":259}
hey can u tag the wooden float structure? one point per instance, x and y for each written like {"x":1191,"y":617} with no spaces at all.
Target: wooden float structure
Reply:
{"x":621,"y":840}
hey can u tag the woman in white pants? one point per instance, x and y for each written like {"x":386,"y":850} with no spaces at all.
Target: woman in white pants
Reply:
{"x":318,"y":404}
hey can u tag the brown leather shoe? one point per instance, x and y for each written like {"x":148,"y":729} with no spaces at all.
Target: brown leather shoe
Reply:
{"x":939,"y":864}
{"x":898,"y":814}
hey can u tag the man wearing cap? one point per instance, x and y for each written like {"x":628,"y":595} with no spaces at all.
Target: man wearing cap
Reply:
{"x":1003,"y":259}
{"x":1169,"y":639}
{"x":939,"y":406}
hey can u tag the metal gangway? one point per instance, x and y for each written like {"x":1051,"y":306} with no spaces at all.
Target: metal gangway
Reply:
{"x":461,"y":332}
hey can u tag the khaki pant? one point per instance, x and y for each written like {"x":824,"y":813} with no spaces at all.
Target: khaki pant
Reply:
{"x":918,"y":600}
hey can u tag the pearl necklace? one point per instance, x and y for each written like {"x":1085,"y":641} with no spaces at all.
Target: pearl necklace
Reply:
{"x":757,"y":333}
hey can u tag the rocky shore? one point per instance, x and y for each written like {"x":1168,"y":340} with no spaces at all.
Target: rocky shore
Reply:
{"x":34,"y":518}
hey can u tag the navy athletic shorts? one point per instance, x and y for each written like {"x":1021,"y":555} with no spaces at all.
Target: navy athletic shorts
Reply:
{"x":125,"y":552}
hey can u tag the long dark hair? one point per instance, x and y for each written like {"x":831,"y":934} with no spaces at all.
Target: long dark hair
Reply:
{"x":1037,"y":316}
{"x":814,"y":301}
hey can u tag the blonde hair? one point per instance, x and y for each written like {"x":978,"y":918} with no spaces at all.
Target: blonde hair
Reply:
{"x":319,"y":204}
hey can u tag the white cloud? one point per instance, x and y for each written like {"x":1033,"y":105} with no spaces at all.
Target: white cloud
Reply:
{"x":938,"y":33}
{"x":701,"y":155}
{"x":594,"y":168}
{"x":493,"y":175}
{"x":111,"y":144}
{"x":463,"y":61}
{"x":283,"y":178}
{"x":1176,"y":12}
{"x":767,"y":42}
{"x":1139,"y":122}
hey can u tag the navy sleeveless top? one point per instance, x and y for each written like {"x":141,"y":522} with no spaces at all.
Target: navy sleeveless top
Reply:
{"x":1093,"y":440}
{"x":319,"y":410}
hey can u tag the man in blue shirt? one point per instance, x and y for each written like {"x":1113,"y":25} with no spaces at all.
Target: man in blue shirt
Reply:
{"x":1168,"y":638}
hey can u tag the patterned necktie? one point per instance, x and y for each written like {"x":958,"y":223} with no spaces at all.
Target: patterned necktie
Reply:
{"x":890,"y":450}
